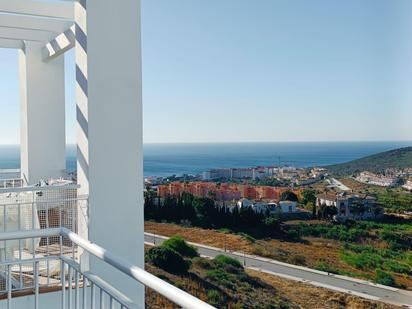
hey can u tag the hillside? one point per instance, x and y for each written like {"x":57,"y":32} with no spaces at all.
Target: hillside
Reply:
{"x":397,"y":158}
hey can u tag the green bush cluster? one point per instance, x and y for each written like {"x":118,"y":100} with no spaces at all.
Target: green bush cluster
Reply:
{"x":167,"y":259}
{"x":384,"y":278}
{"x":368,"y":258}
{"x":395,"y":201}
{"x":170,"y":256}
{"x":324,"y":266}
{"x":214,"y":297}
{"x":331,"y":231}
{"x":179,"y":245}
{"x":227,"y":260}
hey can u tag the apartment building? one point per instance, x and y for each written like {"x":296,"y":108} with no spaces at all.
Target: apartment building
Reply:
{"x":377,"y":180}
{"x":223,"y":191}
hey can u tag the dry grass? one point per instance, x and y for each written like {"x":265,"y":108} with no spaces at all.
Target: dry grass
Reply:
{"x":293,"y":294}
{"x":208,"y":237}
{"x":309,"y":253}
{"x":308,"y":296}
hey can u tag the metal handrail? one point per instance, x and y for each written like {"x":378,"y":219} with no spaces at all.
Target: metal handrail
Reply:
{"x":169,"y":291}
{"x":39,"y":188}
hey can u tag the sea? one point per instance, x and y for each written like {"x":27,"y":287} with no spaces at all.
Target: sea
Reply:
{"x":179,"y":159}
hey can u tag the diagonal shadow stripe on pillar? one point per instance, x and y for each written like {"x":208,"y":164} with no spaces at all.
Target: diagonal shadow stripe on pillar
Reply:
{"x":83,"y":3}
{"x":81,"y":37}
{"x":81,"y":159}
{"x":81,"y":80}
{"x":81,"y":120}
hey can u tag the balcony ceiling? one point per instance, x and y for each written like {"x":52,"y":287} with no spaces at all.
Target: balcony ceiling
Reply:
{"x":33,"y":20}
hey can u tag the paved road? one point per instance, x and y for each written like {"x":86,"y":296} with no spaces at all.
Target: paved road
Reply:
{"x":337,"y":184}
{"x":333,"y":282}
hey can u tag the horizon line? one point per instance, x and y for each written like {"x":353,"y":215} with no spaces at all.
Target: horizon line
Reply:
{"x":259,"y":142}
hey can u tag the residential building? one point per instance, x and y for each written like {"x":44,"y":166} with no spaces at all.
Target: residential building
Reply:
{"x":270,"y":207}
{"x":408,"y":184}
{"x":350,"y":206}
{"x":377,"y":180}
{"x":222,"y":191}
{"x":259,"y":172}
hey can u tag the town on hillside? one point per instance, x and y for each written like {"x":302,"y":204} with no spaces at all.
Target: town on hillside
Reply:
{"x":284,"y":190}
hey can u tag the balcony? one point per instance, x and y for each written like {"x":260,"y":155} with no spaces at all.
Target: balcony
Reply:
{"x":41,"y":255}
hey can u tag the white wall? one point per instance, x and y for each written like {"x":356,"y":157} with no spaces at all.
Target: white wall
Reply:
{"x":110,"y":157}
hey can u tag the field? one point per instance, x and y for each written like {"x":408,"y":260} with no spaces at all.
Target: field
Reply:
{"x":250,"y":289}
{"x":309,"y":251}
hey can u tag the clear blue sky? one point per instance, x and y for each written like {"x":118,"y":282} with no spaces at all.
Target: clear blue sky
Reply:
{"x":267,"y":70}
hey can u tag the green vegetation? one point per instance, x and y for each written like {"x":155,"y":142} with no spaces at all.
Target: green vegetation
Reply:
{"x":222,"y":280}
{"x":179,"y":245}
{"x":309,"y":196}
{"x":167,"y":259}
{"x":398,"y":158}
{"x":384,"y":278}
{"x":247,"y":237}
{"x":214,"y":297}
{"x":394,"y":255}
{"x":324,"y":266}
{"x":224,"y":260}
{"x":339,"y":232}
{"x":395,"y":201}
{"x":172,"y":255}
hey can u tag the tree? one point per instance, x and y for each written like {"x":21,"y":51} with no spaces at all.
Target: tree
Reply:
{"x":205,"y":210}
{"x":311,"y":207}
{"x":188,"y":212}
{"x":289,"y":196}
{"x":272,"y":224}
{"x":309,"y":196}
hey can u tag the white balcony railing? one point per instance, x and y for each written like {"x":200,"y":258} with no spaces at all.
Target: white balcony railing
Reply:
{"x":11,"y":183}
{"x":42,"y":232}
{"x":83,"y":289}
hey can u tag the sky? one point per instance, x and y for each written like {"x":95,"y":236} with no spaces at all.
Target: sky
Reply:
{"x":267,"y":70}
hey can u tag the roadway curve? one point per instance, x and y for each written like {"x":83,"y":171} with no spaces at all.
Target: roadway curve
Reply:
{"x":333,"y":282}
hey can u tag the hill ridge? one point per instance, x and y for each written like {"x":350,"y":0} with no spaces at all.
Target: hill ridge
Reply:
{"x":376,"y":163}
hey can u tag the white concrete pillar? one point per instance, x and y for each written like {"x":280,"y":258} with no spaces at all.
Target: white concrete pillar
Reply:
{"x":109,"y":117}
{"x":42,"y":136}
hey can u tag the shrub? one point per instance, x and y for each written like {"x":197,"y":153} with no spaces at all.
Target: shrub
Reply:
{"x":227,"y":260}
{"x":217,"y":274}
{"x":384,"y":278}
{"x":362,"y":261}
{"x":202,"y":262}
{"x":179,"y":245}
{"x":396,"y":267}
{"x":408,"y":257}
{"x":247,"y":237}
{"x":214,"y":297}
{"x":167,"y":259}
{"x":324,"y":266}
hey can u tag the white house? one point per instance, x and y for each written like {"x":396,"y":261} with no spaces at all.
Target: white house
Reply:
{"x":287,"y":206}
{"x":377,"y":180}
{"x":408,"y":185}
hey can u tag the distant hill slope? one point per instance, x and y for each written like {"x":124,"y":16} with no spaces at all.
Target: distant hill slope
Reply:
{"x":397,"y":158}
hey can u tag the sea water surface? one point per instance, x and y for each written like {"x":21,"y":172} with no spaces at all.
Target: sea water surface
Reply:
{"x":178,"y":159}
